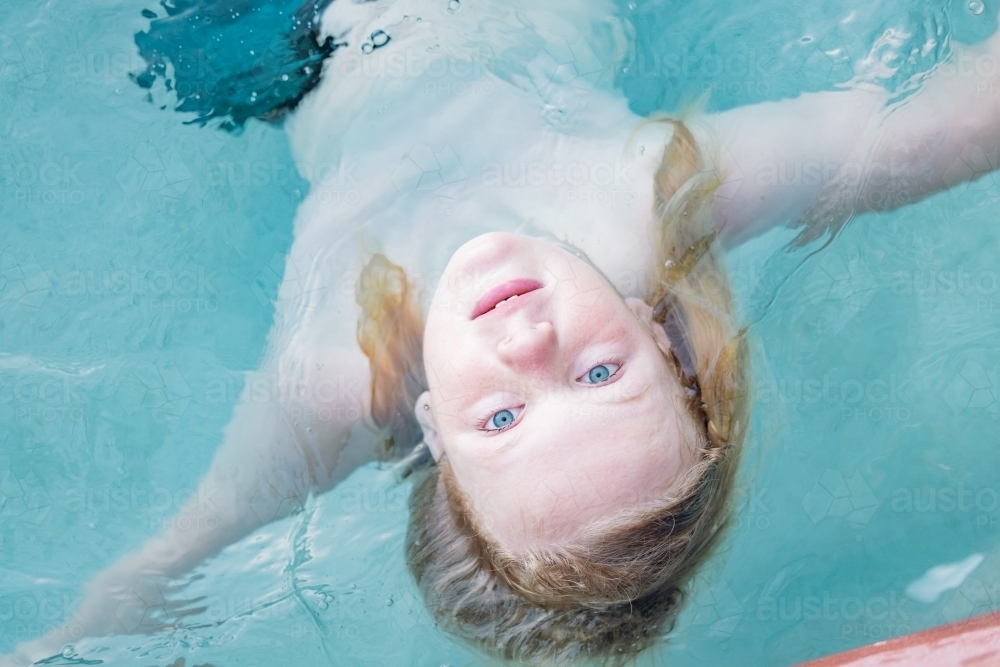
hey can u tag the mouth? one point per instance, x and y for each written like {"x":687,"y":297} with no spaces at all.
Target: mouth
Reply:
{"x":504,"y":294}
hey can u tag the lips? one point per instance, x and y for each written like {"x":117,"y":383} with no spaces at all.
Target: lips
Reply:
{"x":503,"y":292}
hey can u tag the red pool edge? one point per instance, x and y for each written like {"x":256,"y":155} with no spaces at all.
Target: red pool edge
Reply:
{"x":973,"y":642}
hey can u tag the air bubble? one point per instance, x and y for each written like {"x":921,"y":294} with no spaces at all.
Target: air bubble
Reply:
{"x":68,"y":651}
{"x":454,"y":5}
{"x":379,"y":38}
{"x":976,"y":7}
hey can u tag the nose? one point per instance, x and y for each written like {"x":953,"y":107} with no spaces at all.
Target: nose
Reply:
{"x":528,"y":347}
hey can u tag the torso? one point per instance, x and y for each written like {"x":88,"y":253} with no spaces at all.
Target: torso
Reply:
{"x":400,"y":167}
{"x":416,"y":175}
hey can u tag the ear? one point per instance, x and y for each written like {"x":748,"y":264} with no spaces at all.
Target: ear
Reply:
{"x":425,"y":417}
{"x":644,"y":313}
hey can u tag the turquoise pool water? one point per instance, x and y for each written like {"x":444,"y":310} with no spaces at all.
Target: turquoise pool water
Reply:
{"x":140,"y":257}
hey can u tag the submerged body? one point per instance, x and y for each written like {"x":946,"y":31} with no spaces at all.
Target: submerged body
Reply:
{"x":498,"y":118}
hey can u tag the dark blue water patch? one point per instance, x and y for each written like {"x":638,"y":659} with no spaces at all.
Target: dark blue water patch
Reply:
{"x":228,"y":61}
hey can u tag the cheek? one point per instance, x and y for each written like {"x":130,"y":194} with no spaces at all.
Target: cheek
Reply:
{"x":455,"y":370}
{"x":595,"y":314}
{"x":445,"y":351}
{"x":671,"y":446}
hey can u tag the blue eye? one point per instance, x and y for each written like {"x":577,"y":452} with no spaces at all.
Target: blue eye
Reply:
{"x":501,"y":419}
{"x":602,"y":373}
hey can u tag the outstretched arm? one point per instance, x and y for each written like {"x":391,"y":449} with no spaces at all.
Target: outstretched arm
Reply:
{"x":820,"y":157}
{"x":291,"y":433}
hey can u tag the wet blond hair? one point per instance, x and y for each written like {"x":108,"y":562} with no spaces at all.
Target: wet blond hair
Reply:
{"x":619,"y":586}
